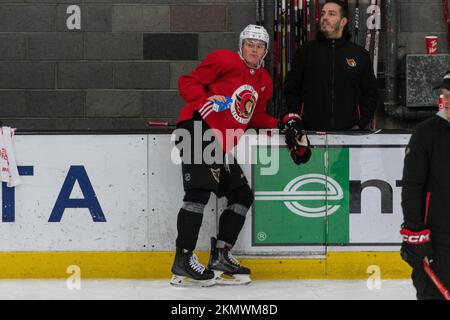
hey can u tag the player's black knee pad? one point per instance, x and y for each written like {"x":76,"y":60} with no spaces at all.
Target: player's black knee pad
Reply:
{"x":232,"y":218}
{"x":195,"y":200}
{"x":190,"y":218}
{"x":242,"y":196}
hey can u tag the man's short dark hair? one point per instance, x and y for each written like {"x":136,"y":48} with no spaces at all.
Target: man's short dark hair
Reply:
{"x":342,"y":5}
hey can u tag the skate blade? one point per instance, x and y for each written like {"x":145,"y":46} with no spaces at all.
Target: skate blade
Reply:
{"x":231,"y":280}
{"x":182,"y":281}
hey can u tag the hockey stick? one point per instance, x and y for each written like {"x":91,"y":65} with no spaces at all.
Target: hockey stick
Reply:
{"x":275,"y":58}
{"x":435,"y":279}
{"x":296,"y":26}
{"x":258,"y":16}
{"x":377,"y":39}
{"x":447,"y":23}
{"x":356,"y":20}
{"x":370,"y":24}
{"x":304,"y":22}
{"x":300,"y":22}
{"x":280,"y":57}
{"x":317,"y":15}
{"x":158,"y":123}
{"x":262,"y":12}
{"x":308,"y":20}
{"x":288,"y":37}
{"x":283,"y":41}
{"x":275,"y":38}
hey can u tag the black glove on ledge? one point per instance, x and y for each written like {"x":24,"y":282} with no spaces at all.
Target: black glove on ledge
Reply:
{"x":295,"y":137}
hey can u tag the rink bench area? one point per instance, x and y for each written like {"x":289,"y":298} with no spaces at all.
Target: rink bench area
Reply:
{"x":105,"y":203}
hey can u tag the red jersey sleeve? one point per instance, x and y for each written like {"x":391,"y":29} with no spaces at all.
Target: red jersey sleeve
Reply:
{"x":194,"y":86}
{"x":260,"y":118}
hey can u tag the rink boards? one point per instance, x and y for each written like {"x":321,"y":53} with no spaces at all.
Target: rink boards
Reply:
{"x":108,"y":204}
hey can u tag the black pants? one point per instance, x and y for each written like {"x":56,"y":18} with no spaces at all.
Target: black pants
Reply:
{"x":200,"y":178}
{"x":426,"y":289}
{"x":219,"y":178}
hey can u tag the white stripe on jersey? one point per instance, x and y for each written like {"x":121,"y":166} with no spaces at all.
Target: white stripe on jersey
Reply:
{"x":207,"y":113}
{"x":206,"y":110}
{"x":207,"y":104}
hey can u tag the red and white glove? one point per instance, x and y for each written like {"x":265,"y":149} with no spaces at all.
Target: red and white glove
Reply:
{"x":416,"y":246}
{"x":291,"y":120}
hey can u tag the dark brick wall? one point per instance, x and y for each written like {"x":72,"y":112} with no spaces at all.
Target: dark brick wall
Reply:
{"x":118,"y":71}
{"x":122,"y":67}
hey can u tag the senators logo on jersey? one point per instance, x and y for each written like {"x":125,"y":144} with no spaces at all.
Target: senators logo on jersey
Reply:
{"x":351,"y":62}
{"x":244,"y":103}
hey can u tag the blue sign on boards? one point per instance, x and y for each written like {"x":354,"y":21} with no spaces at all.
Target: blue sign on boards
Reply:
{"x":75,"y":174}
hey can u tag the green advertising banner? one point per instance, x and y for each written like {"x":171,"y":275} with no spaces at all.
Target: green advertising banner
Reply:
{"x":304,"y":204}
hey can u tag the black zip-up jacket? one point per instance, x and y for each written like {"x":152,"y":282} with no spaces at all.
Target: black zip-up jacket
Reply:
{"x":332,"y":85}
{"x":426,"y":180}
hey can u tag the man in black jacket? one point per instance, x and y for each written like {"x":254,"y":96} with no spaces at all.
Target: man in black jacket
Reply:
{"x":425,"y":200}
{"x":332,"y":85}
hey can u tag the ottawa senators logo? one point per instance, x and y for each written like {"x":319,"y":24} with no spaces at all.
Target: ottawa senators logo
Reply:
{"x":351,"y":62}
{"x":244,"y":103}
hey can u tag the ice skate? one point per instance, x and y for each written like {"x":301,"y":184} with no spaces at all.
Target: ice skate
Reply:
{"x":227,"y":269}
{"x":189,"y":272}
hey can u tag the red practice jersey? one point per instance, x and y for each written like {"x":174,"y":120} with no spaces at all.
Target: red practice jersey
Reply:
{"x":224,"y":73}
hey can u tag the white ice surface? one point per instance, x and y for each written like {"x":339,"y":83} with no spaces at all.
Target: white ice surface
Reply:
{"x":160,"y":289}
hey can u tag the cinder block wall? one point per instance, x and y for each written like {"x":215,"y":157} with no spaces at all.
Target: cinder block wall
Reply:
{"x":121,"y":68}
{"x":419,"y":18}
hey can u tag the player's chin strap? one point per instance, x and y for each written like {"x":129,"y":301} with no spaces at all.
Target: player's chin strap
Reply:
{"x":261,"y":63}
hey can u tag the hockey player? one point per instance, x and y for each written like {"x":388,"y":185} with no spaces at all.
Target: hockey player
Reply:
{"x":227,"y":91}
{"x":425,"y":200}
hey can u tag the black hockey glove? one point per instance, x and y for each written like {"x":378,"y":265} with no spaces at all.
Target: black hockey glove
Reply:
{"x":416,"y":246}
{"x":299,"y":147}
{"x":295,"y":137}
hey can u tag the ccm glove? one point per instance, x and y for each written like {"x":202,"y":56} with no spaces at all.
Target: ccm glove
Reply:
{"x":295,"y":137}
{"x":291,"y":121}
{"x":416,"y":246}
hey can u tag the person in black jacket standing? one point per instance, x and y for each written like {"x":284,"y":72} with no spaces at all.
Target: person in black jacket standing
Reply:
{"x":332,"y":85}
{"x":425,"y":201}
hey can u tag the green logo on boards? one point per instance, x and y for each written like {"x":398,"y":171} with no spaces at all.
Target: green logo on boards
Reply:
{"x":306,"y":204}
